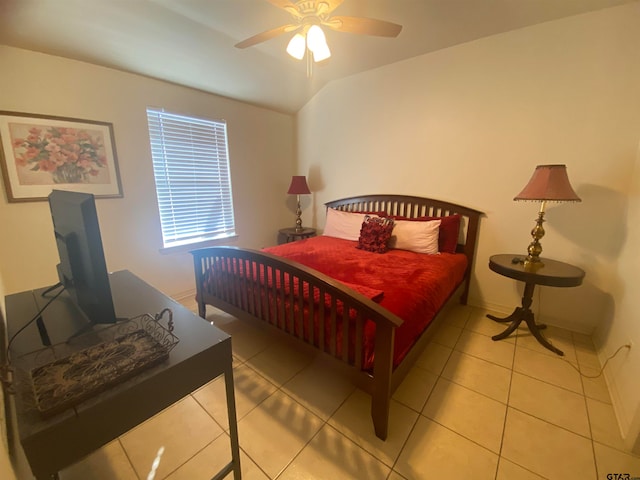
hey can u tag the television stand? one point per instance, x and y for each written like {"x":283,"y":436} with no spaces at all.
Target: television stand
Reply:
{"x":202,"y":354}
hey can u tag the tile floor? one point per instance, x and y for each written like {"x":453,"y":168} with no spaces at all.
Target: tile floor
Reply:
{"x":471,"y":408}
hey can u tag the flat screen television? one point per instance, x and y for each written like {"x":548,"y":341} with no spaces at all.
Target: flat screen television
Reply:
{"x":82,"y":270}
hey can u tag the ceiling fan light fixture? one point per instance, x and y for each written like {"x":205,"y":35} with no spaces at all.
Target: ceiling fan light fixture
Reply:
{"x":309,"y":16}
{"x":321,"y":53}
{"x":316,"y":39}
{"x":297,"y":46}
{"x":317,"y":43}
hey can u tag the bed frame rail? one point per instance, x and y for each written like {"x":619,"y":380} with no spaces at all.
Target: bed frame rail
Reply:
{"x":281,"y":298}
{"x":274,"y":302}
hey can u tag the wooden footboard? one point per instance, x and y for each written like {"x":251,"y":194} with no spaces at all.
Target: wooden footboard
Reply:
{"x":280,"y":292}
{"x":277,"y":291}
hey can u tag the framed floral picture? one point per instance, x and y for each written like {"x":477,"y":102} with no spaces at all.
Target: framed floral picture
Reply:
{"x":39,"y":153}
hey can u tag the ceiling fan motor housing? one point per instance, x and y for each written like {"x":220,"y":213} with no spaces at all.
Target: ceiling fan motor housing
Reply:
{"x":310,"y":12}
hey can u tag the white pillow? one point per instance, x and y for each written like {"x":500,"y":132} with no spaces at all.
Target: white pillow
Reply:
{"x":344,"y":225}
{"x":420,"y":237}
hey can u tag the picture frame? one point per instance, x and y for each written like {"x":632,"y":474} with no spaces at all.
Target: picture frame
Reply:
{"x":39,"y":153}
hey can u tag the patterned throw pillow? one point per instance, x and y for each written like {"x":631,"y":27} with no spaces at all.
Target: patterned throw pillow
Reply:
{"x":375,"y":234}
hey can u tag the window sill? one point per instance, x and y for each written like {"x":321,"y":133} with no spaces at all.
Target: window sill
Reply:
{"x":186,"y":248}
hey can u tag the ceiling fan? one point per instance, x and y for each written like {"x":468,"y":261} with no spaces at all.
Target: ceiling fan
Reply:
{"x":310,"y":16}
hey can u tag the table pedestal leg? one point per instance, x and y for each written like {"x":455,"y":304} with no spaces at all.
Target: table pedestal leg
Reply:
{"x":524,"y":313}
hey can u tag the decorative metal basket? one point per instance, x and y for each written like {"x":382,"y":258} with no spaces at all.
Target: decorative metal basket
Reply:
{"x":66,"y":374}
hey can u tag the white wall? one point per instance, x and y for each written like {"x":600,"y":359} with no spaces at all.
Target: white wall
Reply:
{"x":261,"y":154}
{"x":470,"y":123}
{"x":624,"y":327}
{"x":466,"y":124}
{"x":260,"y":147}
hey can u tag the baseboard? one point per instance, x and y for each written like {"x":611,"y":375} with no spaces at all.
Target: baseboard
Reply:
{"x":184,"y":296}
{"x":629,"y":427}
{"x":616,"y":401}
{"x":576,"y":327}
{"x":492,"y":307}
{"x":546,"y":319}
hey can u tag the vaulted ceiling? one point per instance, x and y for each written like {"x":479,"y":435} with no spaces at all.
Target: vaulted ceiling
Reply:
{"x":191,"y":42}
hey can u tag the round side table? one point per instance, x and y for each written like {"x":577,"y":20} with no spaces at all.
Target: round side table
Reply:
{"x":291,"y":234}
{"x":550,"y":273}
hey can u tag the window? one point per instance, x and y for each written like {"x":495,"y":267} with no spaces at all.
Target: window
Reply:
{"x":193,"y":182}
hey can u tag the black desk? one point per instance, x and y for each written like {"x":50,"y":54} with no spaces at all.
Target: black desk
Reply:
{"x":548,"y":272}
{"x":203,"y":353}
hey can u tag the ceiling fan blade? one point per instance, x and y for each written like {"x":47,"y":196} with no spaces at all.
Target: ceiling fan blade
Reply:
{"x":331,"y":5}
{"x":364,"y":26}
{"x":286,"y":5}
{"x":264,"y":36}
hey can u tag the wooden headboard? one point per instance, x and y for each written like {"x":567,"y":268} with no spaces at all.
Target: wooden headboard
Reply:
{"x":413,"y":207}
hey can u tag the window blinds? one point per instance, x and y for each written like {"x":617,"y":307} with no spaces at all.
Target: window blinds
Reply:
{"x":193,"y":181}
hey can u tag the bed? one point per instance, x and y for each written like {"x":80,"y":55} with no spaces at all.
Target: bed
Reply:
{"x":337,"y":304}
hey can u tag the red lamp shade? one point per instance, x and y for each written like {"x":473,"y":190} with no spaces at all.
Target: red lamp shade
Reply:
{"x":298,"y":186}
{"x":549,"y":183}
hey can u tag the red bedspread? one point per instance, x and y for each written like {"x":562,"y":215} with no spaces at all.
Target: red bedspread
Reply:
{"x":414,"y":285}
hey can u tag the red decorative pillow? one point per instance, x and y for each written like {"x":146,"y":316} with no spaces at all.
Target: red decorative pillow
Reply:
{"x":449,"y":230}
{"x":375,"y":234}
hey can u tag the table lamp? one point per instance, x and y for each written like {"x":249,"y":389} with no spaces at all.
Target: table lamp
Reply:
{"x":298,"y":187}
{"x":549,"y":183}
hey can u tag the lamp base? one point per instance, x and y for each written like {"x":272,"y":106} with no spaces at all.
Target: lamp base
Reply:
{"x":532,"y":265}
{"x":298,"y":217}
{"x":533,"y":259}
{"x":535,"y":248}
